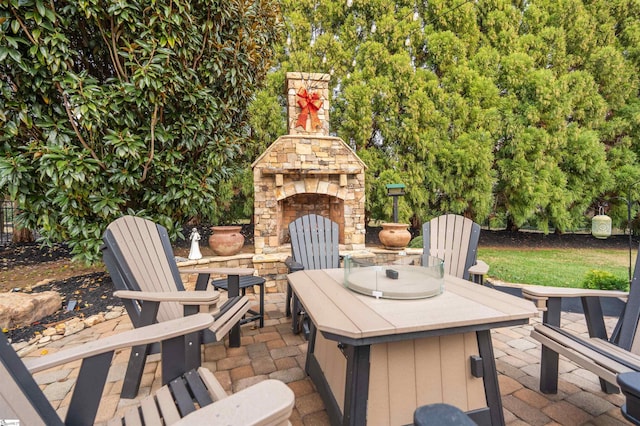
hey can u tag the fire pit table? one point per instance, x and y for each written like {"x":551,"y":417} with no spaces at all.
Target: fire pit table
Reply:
{"x":374,"y":360}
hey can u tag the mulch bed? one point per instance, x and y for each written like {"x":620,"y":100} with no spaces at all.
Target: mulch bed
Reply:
{"x":90,"y":294}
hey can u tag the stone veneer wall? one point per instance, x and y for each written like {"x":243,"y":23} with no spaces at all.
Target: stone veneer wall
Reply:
{"x":295,"y":165}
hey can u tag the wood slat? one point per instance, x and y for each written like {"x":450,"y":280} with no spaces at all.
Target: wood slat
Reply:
{"x":475,"y":385}
{"x":429,"y":388}
{"x":150,"y":412}
{"x":216,"y":390}
{"x":452,"y":354}
{"x":378,"y":405}
{"x":181,"y":396}
{"x":197,"y":388}
{"x":132,"y":417}
{"x":223,"y":324}
{"x":402,"y":382}
{"x":115,"y":421}
{"x":167,"y":407}
{"x":591,"y":360}
{"x":334,"y":366}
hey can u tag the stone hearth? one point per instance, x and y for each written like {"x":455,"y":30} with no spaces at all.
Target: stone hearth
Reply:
{"x":308,"y":171}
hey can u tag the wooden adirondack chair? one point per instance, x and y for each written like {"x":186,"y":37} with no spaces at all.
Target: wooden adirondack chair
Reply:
{"x":192,"y":396}
{"x":454,"y":239}
{"x":314,"y":245}
{"x":607,"y":358}
{"x":140,"y":261}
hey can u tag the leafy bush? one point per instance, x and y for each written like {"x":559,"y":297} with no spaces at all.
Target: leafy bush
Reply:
{"x":121,"y":107}
{"x":603,"y":280}
{"x":416,"y":242}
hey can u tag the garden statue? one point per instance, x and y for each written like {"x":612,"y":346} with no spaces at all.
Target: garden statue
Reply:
{"x":194,"y":253}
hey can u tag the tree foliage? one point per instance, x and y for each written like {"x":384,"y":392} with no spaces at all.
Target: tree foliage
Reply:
{"x":127,"y":107}
{"x":523,"y":110}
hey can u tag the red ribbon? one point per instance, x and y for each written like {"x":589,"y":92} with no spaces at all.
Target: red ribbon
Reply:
{"x":310,"y":103}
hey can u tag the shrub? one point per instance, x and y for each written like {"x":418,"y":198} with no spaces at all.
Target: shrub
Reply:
{"x":604,"y":280}
{"x":131,"y":107}
{"x":416,"y":242}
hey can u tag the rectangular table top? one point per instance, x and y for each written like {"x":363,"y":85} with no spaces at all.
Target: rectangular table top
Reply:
{"x":339,"y":312}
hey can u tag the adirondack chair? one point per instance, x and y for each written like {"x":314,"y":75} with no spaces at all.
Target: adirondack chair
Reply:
{"x":314,"y":245}
{"x":607,"y":358}
{"x":454,"y":239}
{"x":140,"y":261}
{"x":192,"y":396}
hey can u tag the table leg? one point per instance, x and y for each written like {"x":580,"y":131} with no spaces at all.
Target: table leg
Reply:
{"x":549,"y":358}
{"x":233,"y":291}
{"x":491,"y":387}
{"x":357,"y":385}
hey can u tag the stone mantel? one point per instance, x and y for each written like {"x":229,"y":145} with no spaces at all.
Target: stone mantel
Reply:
{"x":300,"y":171}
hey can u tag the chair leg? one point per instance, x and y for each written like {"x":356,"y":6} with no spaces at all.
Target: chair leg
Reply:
{"x":288,"y":301}
{"x":295,"y":315}
{"x":135,"y":368}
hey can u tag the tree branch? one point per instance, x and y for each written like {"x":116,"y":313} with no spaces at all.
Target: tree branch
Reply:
{"x":23,"y":26}
{"x":154,"y":120}
{"x":67,"y":108}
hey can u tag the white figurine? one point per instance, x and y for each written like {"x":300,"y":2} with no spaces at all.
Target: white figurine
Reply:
{"x":194,"y":253}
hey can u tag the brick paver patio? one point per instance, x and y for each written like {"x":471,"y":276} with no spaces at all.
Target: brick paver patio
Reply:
{"x":274,"y":352}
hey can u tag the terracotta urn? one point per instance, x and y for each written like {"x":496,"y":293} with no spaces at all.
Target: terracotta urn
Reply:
{"x":395,"y":236}
{"x":226,"y":240}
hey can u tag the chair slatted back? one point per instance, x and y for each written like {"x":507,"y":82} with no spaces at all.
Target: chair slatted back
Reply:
{"x":454,"y":239}
{"x":139,"y":257}
{"x":20,"y":396}
{"x":629,"y":338}
{"x":314,"y":242}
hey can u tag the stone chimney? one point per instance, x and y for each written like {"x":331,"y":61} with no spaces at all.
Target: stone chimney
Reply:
{"x":308,"y":103}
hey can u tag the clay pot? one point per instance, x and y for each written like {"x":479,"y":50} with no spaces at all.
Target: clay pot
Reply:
{"x":395,"y":236}
{"x":226,"y":240}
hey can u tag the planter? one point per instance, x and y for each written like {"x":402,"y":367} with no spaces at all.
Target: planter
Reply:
{"x":395,"y":236}
{"x":226,"y":240}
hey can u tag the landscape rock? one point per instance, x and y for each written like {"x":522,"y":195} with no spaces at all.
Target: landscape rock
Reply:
{"x":93,"y":320}
{"x":73,"y":326}
{"x":49,"y":331}
{"x":22,"y":309}
{"x":112,"y":315}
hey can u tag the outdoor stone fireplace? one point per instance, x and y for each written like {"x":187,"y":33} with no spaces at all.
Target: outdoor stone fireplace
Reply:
{"x":308,"y":171}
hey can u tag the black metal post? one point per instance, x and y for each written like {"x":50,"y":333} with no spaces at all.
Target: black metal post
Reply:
{"x":629,"y":202}
{"x":395,"y":209}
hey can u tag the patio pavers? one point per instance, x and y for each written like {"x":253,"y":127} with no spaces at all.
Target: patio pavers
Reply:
{"x":275,"y":352}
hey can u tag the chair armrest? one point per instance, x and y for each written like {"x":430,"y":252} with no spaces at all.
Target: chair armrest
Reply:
{"x":545,"y":292}
{"x":219,"y":271}
{"x":540,"y":294}
{"x":184,"y":297}
{"x":269,"y":402}
{"x":480,"y":268}
{"x":139,"y":336}
{"x":292,"y":265}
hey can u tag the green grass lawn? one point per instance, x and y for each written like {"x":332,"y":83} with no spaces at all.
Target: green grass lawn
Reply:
{"x":553,"y":267}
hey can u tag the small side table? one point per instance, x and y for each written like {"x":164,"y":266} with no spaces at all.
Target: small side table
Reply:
{"x":247,"y":281}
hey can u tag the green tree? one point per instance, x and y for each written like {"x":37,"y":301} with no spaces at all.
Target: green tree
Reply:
{"x":127,"y":107}
{"x":523,"y":110}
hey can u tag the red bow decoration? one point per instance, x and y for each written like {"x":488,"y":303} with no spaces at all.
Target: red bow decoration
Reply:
{"x":310,"y":103}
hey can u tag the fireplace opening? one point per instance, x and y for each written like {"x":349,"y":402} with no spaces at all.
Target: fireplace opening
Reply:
{"x":301,"y":204}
